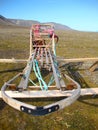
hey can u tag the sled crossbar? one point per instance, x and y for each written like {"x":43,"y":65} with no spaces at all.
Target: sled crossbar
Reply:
{"x":49,"y":93}
{"x":13,"y":60}
{"x":79,"y":59}
{"x":66,"y":60}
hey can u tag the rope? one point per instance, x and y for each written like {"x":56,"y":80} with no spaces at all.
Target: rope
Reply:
{"x":32,"y":82}
{"x":51,"y":80}
{"x":34,"y":68}
{"x":42,"y":83}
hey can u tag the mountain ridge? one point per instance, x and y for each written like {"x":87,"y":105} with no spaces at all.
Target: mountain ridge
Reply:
{"x":28,"y":23}
{"x":5,"y":21}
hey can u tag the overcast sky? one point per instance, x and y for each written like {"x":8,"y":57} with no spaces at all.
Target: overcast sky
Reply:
{"x":77,"y":14}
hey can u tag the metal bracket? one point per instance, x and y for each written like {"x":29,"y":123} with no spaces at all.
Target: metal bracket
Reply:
{"x":39,"y":111}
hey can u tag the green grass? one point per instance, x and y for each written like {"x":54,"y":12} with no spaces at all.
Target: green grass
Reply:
{"x":82,"y":115}
{"x":14,"y":42}
{"x":77,"y":44}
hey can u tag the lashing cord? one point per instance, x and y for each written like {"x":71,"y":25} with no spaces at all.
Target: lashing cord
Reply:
{"x":36,"y":69}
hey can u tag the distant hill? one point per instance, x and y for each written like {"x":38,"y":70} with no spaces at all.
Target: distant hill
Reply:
{"x":21,"y":22}
{"x":5,"y":21}
{"x":28,"y":23}
{"x":59,"y":26}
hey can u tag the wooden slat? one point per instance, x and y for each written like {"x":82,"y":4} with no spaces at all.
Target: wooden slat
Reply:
{"x":12,"y":60}
{"x":47,"y":58}
{"x":24,"y":81}
{"x":79,"y":59}
{"x":41,"y":56}
{"x":66,"y":60}
{"x":54,"y":71}
{"x":94,"y":66}
{"x":34,"y":87}
{"x":49,"y":93}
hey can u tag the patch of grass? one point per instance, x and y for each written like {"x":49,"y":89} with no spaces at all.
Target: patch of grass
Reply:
{"x":14,"y":42}
{"x":77,"y":44}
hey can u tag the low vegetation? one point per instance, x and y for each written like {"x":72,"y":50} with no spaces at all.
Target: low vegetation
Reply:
{"x":83,"y":114}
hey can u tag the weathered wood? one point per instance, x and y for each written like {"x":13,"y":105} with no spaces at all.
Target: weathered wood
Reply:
{"x":13,"y":60}
{"x":94,"y":66}
{"x":47,"y":58}
{"x":54,"y":71}
{"x":40,"y":46}
{"x":26,"y":73}
{"x":30,"y":42}
{"x":66,"y":60}
{"x":49,"y":93}
{"x":41,"y":58}
{"x":79,"y":59}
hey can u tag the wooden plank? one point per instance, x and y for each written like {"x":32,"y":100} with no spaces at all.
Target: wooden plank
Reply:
{"x":13,"y":60}
{"x":54,"y":71}
{"x":40,"y":46}
{"x":41,"y":59}
{"x":89,"y":91}
{"x":66,"y":60}
{"x":47,"y":58}
{"x":51,"y":25}
{"x":24,"y":81}
{"x":31,"y":43}
{"x":49,"y":93}
{"x":94,"y":66}
{"x":34,"y":87}
{"x":79,"y":59}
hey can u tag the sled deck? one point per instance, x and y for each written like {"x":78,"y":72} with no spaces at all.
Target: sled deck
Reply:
{"x":43,"y":72}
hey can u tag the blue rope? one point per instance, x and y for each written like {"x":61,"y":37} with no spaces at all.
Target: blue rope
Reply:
{"x":33,"y":82}
{"x":51,"y":81}
{"x":37,"y":75}
{"x":42,"y":83}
